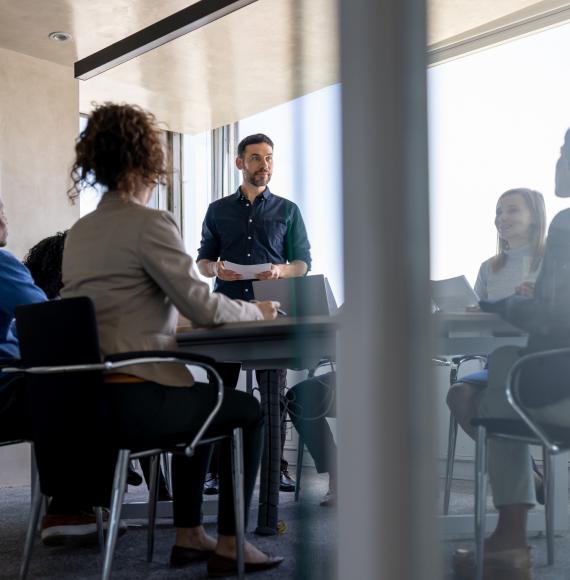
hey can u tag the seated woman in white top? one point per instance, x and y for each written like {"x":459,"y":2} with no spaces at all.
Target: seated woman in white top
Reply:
{"x":544,"y":396}
{"x":521,"y":225}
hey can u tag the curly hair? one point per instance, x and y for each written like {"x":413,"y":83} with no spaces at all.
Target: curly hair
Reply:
{"x":44,"y":263}
{"x":120,"y":148}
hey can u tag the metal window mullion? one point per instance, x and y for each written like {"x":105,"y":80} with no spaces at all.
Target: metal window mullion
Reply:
{"x":174,"y":195}
{"x":234,"y":174}
{"x":217,"y":156}
{"x":222,"y":162}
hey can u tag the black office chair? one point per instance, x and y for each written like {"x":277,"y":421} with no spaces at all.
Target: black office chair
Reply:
{"x":67,"y":394}
{"x":300,"y":444}
{"x":554,"y":440}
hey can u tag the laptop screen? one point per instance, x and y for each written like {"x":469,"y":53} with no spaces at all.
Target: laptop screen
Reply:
{"x":304,"y":296}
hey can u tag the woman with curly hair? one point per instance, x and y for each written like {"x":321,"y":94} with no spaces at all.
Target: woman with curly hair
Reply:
{"x":130,"y":260}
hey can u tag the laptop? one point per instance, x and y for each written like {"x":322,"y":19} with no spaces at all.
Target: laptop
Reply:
{"x":304,"y":296}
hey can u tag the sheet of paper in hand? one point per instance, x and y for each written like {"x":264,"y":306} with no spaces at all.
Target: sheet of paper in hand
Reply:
{"x":247,"y":271}
{"x":452,"y":295}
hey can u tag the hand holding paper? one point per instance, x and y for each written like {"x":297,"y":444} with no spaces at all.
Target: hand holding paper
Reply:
{"x":244,"y":271}
{"x":225,"y":273}
{"x":274,"y":273}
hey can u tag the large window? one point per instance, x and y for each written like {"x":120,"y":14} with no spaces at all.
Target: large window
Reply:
{"x":196,"y":186}
{"x":307,"y":170}
{"x":497,"y":121}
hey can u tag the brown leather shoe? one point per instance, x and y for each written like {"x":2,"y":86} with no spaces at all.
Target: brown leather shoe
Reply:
{"x":220,"y":566}
{"x":515,"y":564}
{"x":181,"y":556}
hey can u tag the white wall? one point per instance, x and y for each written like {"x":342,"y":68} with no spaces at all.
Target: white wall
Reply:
{"x":39,"y":117}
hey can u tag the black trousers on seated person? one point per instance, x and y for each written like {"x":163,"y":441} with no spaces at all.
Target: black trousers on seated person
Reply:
{"x":14,"y":421}
{"x":147,"y":410}
{"x":310,"y":402}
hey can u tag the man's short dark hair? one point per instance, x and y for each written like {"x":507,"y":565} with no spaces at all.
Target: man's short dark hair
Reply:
{"x":253,"y":140}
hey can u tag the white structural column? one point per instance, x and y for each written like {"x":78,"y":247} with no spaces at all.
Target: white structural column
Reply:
{"x":387,"y":526}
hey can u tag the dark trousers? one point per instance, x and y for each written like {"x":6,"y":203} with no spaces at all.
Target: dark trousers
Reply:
{"x":310,"y":402}
{"x":148,"y":410}
{"x":14,"y":421}
{"x":15,"y":424}
{"x":229,"y":373}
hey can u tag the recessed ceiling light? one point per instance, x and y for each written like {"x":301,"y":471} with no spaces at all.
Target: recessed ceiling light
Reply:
{"x":60,"y":36}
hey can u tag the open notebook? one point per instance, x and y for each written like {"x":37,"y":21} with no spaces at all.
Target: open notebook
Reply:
{"x":452,"y":295}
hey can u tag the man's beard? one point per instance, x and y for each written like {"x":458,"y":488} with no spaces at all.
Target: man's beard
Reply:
{"x":258,"y":179}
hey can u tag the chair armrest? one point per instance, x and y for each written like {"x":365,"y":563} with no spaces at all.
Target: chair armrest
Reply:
{"x":9,"y":362}
{"x":323,"y":362}
{"x":120,"y":360}
{"x":463,"y":358}
{"x":513,"y":391}
{"x":457,"y":361}
{"x":143,"y":354}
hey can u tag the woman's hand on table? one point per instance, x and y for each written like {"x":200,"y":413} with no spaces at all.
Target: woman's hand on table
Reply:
{"x":268,"y":309}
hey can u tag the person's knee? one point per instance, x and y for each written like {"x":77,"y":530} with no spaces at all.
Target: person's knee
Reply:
{"x":458,"y":397}
{"x":292,"y":394}
{"x":250,"y":407}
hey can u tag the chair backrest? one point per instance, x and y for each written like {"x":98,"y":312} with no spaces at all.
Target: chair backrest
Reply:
{"x":58,"y":332}
{"x":69,"y":412}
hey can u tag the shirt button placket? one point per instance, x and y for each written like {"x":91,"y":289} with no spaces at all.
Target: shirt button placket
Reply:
{"x":249,"y":242}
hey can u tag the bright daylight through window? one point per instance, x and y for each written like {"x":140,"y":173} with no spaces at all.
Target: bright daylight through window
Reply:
{"x":497,"y":121}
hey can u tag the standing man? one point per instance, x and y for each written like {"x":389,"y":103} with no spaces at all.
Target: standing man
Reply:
{"x":254,"y":226}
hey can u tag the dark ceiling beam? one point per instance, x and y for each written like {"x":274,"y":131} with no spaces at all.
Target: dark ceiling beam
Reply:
{"x":155,"y":35}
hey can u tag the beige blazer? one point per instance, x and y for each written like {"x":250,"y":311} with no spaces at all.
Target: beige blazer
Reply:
{"x":131,"y":261}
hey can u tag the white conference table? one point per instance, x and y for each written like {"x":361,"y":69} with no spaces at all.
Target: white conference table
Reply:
{"x":482,"y":333}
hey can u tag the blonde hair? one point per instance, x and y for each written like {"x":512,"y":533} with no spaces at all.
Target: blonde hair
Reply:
{"x":535,"y":204}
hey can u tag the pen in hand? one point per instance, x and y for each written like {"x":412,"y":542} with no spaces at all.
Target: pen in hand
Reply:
{"x":280,"y":311}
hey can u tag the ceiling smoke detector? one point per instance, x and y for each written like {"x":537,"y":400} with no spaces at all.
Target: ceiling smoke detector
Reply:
{"x":60,"y":36}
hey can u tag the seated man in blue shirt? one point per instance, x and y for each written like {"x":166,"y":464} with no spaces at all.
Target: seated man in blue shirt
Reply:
{"x":254,"y":226}
{"x":16,"y":287}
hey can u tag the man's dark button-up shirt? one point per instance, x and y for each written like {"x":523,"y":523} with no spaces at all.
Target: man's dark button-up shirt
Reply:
{"x":271,"y":230}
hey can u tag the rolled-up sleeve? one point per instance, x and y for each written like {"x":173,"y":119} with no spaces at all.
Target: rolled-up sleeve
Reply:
{"x":297,"y":244}
{"x":210,"y":244}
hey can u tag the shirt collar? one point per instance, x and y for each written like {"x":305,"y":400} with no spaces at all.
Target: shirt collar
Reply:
{"x":266,"y":194}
